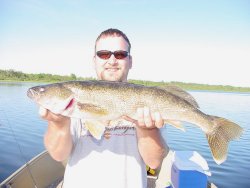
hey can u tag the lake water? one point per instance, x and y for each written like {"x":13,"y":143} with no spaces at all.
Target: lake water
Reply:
{"x":21,"y":133}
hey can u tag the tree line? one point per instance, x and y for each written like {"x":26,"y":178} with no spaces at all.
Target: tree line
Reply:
{"x":194,"y":86}
{"x":12,"y":75}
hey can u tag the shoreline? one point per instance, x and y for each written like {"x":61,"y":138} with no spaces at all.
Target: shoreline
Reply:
{"x":185,"y":86}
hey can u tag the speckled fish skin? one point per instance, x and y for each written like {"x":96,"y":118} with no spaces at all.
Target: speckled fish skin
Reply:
{"x":104,"y":101}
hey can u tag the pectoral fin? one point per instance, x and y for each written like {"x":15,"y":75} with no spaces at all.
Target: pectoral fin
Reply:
{"x":175,"y":123}
{"x":91,"y":109}
{"x":96,"y":128}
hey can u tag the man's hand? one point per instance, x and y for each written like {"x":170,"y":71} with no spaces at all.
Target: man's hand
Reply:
{"x":57,"y":139}
{"x":55,"y":119}
{"x":144,"y":119}
{"x":151,"y":145}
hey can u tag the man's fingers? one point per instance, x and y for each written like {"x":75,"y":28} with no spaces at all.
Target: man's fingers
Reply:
{"x":140,"y":117}
{"x":43,"y":112}
{"x":147,"y":118}
{"x":50,"y":116}
{"x":158,"y":120}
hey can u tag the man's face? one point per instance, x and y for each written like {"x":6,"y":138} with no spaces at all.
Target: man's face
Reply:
{"x":112,"y":69}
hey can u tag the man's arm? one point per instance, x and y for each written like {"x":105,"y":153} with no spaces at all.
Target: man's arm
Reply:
{"x":150,"y":142}
{"x":57,"y":139}
{"x":151,"y":146}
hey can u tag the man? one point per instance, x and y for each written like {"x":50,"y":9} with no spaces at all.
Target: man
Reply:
{"x":118,"y":159}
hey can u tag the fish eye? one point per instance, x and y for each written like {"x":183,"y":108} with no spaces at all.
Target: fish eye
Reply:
{"x":42,"y":89}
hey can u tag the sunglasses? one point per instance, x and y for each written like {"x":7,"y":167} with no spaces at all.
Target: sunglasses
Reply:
{"x":105,"y":54}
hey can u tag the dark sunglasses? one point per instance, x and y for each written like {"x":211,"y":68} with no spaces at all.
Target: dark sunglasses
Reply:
{"x":105,"y":54}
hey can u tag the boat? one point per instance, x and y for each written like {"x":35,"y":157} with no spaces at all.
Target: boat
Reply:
{"x":43,"y":171}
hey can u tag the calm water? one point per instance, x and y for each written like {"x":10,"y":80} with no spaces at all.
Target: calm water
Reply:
{"x":19,"y":121}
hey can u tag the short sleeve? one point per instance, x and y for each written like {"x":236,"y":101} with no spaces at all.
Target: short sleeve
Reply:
{"x":75,"y":129}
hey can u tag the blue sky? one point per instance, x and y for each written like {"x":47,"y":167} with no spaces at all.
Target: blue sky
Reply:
{"x":190,"y":41}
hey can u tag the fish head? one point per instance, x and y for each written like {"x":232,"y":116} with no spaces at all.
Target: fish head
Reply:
{"x":54,"y":97}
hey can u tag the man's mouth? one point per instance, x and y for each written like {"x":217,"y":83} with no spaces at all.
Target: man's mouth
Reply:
{"x":112,"y":69}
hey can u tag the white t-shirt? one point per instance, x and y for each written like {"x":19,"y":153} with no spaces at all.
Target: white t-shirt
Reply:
{"x":112,"y":162}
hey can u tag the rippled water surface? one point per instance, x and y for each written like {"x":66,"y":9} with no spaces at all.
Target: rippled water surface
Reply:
{"x":21,"y":133}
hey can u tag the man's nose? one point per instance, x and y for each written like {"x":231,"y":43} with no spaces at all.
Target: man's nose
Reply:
{"x":112,"y":60}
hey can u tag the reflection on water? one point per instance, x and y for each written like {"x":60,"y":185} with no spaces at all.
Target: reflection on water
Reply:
{"x":19,"y":113}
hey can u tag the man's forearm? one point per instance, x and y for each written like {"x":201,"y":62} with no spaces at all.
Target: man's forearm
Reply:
{"x":151,"y":146}
{"x":58,"y":141}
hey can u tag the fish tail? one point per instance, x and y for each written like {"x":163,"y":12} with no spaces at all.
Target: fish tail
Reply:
{"x":220,"y":137}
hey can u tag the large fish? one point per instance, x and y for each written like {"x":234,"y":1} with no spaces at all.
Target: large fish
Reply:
{"x":102,"y":101}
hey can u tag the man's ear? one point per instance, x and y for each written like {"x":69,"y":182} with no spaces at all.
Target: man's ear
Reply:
{"x":130,"y":62}
{"x":93,"y":61}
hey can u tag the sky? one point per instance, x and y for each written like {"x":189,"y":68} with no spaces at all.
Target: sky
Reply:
{"x":195,"y":41}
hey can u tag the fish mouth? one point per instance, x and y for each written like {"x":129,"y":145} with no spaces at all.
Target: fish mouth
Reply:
{"x":31,"y":93}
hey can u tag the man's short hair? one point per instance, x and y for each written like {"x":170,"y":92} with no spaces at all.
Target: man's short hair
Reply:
{"x":113,"y":32}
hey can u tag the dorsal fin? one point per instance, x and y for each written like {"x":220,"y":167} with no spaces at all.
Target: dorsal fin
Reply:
{"x":181,"y":93}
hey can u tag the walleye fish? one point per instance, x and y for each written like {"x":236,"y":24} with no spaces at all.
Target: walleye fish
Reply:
{"x":102,"y":101}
